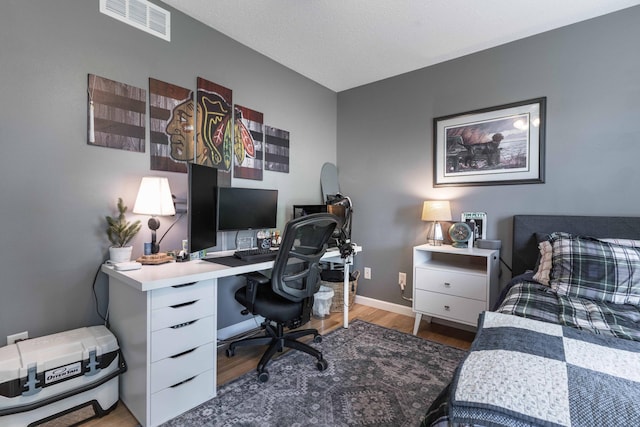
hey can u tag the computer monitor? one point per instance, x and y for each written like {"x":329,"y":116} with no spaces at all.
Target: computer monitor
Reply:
{"x":340,"y":212}
{"x":337,"y":210}
{"x":246,"y":208}
{"x":302,"y":210}
{"x":201,"y":207}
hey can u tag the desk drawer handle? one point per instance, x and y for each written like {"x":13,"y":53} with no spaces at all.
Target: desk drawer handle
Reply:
{"x":184,"y":285}
{"x":447,"y":284}
{"x":184,"y":353}
{"x":183,"y":382}
{"x":447,"y":308}
{"x":182,"y":325}
{"x":184,"y":304}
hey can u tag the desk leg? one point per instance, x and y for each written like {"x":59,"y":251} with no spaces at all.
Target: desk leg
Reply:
{"x":346,"y":294}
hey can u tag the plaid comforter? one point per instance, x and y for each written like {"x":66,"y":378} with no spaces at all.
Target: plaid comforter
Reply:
{"x":571,"y":377}
{"x":535,"y":301}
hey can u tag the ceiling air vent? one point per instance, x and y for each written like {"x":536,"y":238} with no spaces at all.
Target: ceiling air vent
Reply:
{"x":140,"y":14}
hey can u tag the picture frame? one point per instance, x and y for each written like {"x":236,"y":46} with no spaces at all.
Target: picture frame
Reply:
{"x":492,"y":146}
{"x":480,"y":220}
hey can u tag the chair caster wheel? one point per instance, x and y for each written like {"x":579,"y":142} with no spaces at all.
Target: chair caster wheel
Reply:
{"x":230,"y":352}
{"x":263,"y":376}
{"x":322,"y":364}
{"x":317,"y":339}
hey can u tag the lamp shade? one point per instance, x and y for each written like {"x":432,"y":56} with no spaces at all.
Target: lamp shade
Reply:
{"x":154,"y":197}
{"x":436,"y":210}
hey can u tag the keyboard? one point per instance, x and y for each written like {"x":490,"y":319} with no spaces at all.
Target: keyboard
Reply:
{"x":256,"y":254}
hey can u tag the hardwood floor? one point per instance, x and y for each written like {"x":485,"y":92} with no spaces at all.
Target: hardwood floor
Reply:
{"x":246,"y":359}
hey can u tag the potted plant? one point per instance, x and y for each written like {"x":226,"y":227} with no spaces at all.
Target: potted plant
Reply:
{"x":120,"y":232}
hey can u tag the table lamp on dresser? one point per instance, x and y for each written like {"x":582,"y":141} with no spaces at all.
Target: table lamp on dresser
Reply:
{"x":435,"y":211}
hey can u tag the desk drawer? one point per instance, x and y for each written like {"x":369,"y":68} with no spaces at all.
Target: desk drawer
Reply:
{"x":181,"y":313}
{"x":173,"y":401}
{"x":174,"y":295}
{"x":468,"y":285}
{"x":450,"y":307}
{"x":174,"y":340}
{"x":173,"y":370}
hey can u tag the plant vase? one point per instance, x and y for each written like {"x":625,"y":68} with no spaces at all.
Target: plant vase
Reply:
{"x":120,"y":254}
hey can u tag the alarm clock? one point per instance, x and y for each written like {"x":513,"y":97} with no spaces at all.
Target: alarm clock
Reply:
{"x":460,"y":234}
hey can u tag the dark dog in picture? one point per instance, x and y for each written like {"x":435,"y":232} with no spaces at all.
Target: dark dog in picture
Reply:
{"x":489,"y":149}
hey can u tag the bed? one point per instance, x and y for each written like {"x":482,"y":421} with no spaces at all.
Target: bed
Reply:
{"x":562,"y":345}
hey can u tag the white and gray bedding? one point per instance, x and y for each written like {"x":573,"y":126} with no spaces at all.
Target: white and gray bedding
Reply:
{"x":572,"y":377}
{"x":585,"y":289}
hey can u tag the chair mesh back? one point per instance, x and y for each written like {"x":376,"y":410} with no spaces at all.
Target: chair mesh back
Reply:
{"x":296,"y":271}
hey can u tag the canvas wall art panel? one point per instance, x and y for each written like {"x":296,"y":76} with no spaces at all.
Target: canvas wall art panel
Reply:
{"x":171,"y":126}
{"x":248,"y":144}
{"x":116,"y":114}
{"x":214,"y":128}
{"x":276,"y":155}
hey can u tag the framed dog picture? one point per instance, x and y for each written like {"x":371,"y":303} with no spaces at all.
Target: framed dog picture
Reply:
{"x":493,"y":146}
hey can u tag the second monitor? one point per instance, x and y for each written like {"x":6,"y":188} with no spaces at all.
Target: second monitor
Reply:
{"x":246,"y":208}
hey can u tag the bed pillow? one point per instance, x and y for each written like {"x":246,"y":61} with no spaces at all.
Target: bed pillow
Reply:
{"x":623,"y":242}
{"x":544,"y":263}
{"x":590,"y":268}
{"x":539,"y":238}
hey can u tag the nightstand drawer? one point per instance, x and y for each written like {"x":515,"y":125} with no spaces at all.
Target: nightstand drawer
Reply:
{"x":180,"y":313}
{"x":450,"y":307}
{"x":182,"y":337}
{"x":181,"y":397}
{"x":173,"y":370}
{"x":175,"y":295}
{"x":462,"y":284}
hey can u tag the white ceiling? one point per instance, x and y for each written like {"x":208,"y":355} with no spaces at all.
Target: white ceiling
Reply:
{"x":342,"y":44}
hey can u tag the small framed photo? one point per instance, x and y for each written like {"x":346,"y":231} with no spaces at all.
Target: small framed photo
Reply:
{"x":479,"y":220}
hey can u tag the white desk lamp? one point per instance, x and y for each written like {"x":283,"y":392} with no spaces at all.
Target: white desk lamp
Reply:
{"x":436,"y":210}
{"x":154,"y":198}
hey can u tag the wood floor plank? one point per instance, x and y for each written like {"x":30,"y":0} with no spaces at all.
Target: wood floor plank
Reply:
{"x":246,"y":358}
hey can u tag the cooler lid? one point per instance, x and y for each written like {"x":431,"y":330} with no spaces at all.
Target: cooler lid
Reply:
{"x":55,"y":350}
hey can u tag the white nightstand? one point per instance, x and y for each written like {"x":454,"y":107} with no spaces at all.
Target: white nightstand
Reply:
{"x":455,"y":284}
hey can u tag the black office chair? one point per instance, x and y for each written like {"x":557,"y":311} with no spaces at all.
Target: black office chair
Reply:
{"x":286,"y":299}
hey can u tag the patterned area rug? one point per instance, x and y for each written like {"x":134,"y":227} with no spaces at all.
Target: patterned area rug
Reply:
{"x":376,"y":376}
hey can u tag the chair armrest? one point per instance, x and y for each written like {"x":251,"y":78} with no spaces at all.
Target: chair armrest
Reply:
{"x":254,"y":279}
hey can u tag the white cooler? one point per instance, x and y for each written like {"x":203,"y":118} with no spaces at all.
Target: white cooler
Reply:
{"x":71,"y":374}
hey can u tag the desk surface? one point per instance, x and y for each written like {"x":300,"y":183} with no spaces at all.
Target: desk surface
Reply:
{"x":151,"y":277}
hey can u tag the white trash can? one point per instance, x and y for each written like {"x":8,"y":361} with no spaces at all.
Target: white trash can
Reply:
{"x":322,"y":301}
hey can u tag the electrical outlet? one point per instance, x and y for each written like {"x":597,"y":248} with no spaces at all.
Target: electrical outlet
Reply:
{"x":11,"y":339}
{"x":367,"y":273}
{"x":402,"y":280}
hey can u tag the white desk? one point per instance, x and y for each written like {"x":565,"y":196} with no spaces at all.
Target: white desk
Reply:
{"x":164,"y":317}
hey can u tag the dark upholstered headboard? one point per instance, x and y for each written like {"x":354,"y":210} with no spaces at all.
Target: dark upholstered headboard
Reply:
{"x":525,"y":247}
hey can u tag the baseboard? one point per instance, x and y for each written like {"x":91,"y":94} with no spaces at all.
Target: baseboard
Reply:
{"x":384,"y":305}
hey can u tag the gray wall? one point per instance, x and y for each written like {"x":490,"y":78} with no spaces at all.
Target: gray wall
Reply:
{"x":589,"y":74}
{"x":55,"y":189}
